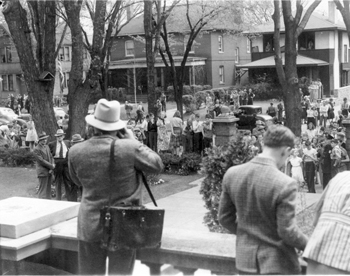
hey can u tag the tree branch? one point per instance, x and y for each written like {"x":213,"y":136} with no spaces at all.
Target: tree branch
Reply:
{"x":306,"y":17}
{"x":61,"y":39}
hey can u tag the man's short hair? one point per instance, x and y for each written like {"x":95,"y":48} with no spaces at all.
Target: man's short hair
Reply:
{"x":278,"y":136}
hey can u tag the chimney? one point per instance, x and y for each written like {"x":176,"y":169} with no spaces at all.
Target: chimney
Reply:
{"x":332,"y":12}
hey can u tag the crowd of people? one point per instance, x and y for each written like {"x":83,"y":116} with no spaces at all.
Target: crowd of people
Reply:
{"x":258,"y":205}
{"x":177,"y":137}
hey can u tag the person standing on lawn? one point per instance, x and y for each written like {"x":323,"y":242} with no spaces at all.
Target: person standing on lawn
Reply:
{"x":59,"y":150}
{"x":258,"y":205}
{"x":89,"y":164}
{"x":44,"y":166}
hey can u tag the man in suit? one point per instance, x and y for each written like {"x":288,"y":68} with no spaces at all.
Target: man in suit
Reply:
{"x":44,"y":166}
{"x":59,"y":150}
{"x":258,"y":205}
{"x":89,"y":166}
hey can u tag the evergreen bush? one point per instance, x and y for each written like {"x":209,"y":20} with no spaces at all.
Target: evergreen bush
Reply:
{"x":214,"y":166}
{"x":184,"y":165}
{"x":16,"y":157}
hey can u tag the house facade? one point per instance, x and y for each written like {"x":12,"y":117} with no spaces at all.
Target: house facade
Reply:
{"x":212,"y":60}
{"x":323,"y":51}
{"x":12,"y":80}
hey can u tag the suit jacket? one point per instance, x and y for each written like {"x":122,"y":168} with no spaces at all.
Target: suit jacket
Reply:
{"x":53,"y":146}
{"x":44,"y":160}
{"x":258,"y":205}
{"x":88,"y":164}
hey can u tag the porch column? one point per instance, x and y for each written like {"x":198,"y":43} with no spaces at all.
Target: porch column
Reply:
{"x":193,"y":75}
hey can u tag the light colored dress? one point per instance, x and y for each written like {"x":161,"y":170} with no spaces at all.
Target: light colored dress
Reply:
{"x":330,"y":242}
{"x":297,"y":172}
{"x":32,"y":136}
{"x":163,"y":136}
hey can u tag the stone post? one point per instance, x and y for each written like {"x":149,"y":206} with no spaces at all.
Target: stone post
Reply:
{"x":346,"y":124}
{"x":225,"y":129}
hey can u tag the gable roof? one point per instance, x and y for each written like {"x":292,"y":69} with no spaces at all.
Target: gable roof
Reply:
{"x":316,"y":22}
{"x":176,"y":21}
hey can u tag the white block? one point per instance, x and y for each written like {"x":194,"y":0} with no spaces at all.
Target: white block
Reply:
{"x":20,"y":216}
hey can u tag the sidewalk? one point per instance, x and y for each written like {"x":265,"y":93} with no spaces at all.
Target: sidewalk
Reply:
{"x":183,"y":211}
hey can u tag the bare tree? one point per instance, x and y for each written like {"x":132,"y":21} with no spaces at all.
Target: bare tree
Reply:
{"x":287,"y":74}
{"x":152,"y":25}
{"x":344,"y":9}
{"x":106,"y":21}
{"x":197,"y":16}
{"x":32,"y":26}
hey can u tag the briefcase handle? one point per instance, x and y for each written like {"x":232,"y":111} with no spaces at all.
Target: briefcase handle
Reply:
{"x":112,"y":166}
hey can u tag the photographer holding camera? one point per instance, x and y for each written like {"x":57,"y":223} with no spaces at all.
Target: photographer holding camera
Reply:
{"x":89,"y":167}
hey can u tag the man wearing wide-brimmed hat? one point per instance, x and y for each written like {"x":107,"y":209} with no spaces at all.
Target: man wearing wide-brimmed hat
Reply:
{"x":44,"y":166}
{"x":59,"y":150}
{"x":89,"y":163}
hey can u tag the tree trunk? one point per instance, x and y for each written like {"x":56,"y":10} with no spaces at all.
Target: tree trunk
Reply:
{"x":34,"y":62}
{"x":149,"y":57}
{"x":291,"y":88}
{"x":79,"y":93}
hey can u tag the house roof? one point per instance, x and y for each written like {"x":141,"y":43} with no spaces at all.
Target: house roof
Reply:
{"x":177,"y":22}
{"x":141,"y":62}
{"x":316,"y":22}
{"x":269,"y":62}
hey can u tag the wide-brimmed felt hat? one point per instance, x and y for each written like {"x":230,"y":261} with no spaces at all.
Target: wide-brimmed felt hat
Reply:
{"x":59,"y":132}
{"x":76,"y":138}
{"x":329,"y":137}
{"x":342,"y":134}
{"x":106,"y":116}
{"x":42,"y":136}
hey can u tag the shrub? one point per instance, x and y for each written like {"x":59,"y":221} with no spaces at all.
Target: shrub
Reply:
{"x":196,"y":88}
{"x":199,"y":98}
{"x":207,"y":87}
{"x":214,"y":166}
{"x":187,"y":90}
{"x":189,"y":102}
{"x":184,"y":165}
{"x":170,"y":93}
{"x":17,"y":157}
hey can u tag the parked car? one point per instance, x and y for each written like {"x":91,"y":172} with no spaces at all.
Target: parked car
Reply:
{"x":248,"y":116}
{"x":7,"y":115}
{"x":59,"y":111}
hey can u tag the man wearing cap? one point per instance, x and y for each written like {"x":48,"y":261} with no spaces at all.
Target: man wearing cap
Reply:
{"x":59,"y":150}
{"x":44,"y":166}
{"x":89,"y":163}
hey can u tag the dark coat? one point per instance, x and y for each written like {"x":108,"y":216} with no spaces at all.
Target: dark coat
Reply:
{"x":53,"y":146}
{"x":44,"y":160}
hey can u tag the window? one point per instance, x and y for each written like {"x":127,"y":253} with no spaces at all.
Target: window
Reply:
{"x":237,"y":55}
{"x":64,"y":53}
{"x":248,"y":45}
{"x":221,"y":44}
{"x":222,"y":74}
{"x":185,"y":44}
{"x":345,"y":53}
{"x":6,"y":56}
{"x":306,"y":41}
{"x":129,"y":48}
{"x":65,"y":80}
{"x":268,"y":43}
{"x":7,"y":82}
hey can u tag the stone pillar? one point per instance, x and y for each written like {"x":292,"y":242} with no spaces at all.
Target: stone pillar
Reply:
{"x":346,"y":124}
{"x":225,"y":129}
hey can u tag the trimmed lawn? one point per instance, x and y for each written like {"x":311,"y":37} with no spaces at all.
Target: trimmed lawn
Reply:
{"x":22,"y":182}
